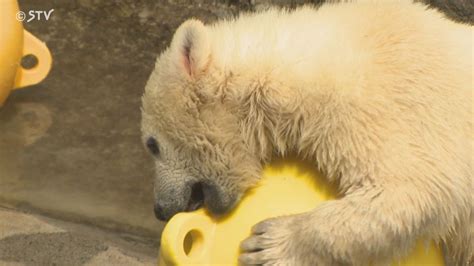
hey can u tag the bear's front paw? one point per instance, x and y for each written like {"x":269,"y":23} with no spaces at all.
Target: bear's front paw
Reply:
{"x":268,"y":243}
{"x":278,"y":241}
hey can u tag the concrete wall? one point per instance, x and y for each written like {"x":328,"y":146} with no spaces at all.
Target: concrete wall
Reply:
{"x":70,"y":147}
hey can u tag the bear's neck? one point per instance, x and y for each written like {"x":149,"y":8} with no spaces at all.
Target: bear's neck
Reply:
{"x":275,"y":117}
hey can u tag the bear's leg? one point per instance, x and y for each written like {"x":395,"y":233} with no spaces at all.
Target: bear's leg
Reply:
{"x":370,"y":223}
{"x":459,"y":249}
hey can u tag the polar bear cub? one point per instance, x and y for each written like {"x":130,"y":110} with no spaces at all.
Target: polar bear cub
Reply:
{"x":379,"y":96}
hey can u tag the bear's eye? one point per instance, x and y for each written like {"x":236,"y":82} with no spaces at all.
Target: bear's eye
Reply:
{"x":152,"y":146}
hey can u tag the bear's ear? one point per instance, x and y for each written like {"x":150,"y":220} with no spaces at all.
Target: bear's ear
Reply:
{"x":191,"y":48}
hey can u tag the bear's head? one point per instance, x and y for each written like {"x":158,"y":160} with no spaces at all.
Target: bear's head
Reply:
{"x":192,"y":125}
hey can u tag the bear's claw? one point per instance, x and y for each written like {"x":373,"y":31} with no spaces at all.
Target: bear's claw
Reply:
{"x":268,"y":243}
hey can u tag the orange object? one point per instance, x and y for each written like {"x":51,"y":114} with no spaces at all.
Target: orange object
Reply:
{"x":15,"y":42}
{"x":287,"y":187}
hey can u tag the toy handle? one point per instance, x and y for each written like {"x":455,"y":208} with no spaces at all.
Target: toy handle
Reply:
{"x":187,"y":239}
{"x":33,"y":46}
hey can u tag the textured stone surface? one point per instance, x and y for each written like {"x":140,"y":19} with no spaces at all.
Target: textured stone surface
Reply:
{"x":27,"y":239}
{"x":459,"y":10}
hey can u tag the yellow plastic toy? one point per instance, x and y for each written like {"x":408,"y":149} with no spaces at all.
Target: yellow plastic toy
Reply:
{"x":15,"y":42}
{"x":198,"y":239}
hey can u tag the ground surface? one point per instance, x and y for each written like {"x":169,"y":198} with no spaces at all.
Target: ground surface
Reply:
{"x":27,"y":239}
